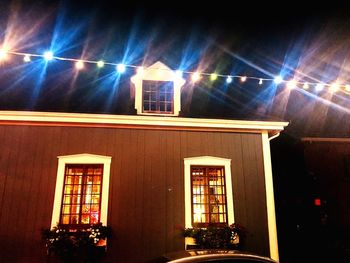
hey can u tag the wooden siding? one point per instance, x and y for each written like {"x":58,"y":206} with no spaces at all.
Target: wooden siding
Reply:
{"x":146,"y":195}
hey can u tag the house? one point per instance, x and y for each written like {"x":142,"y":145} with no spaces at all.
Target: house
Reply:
{"x":147,"y":175}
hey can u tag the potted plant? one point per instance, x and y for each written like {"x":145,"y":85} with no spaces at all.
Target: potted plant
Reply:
{"x":228,"y":237}
{"x":85,"y":245}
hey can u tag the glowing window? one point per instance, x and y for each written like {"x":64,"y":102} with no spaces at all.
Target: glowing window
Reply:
{"x":208,"y":177}
{"x":81,"y":199}
{"x":81,"y":194}
{"x":158,"y":96}
{"x":208,"y":196}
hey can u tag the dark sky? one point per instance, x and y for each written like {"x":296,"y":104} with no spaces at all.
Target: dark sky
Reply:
{"x":257,"y":38}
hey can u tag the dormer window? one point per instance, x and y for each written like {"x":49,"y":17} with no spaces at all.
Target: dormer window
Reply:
{"x":157,"y":91}
{"x":158,"y":96}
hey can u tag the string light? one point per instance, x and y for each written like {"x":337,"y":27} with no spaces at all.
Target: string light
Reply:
{"x":213,"y":76}
{"x":3,"y":54}
{"x":195,"y":76}
{"x":79,"y":64}
{"x":334,"y":87}
{"x":243,"y":78}
{"x":278,"y":80}
{"x":100,"y":64}
{"x":291,"y":84}
{"x":26,"y":58}
{"x":121,"y":68}
{"x":319,"y":87}
{"x":48,"y":55}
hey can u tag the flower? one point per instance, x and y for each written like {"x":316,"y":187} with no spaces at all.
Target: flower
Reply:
{"x":70,"y":243}
{"x":217,"y":236}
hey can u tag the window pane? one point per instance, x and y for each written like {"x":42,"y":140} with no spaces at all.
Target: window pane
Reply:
{"x":75,"y":199}
{"x":69,"y":180}
{"x":95,"y":199}
{"x":85,"y":218}
{"x":67,"y":199}
{"x":86,"y":209}
{"x":65,"y":219}
{"x":208,"y":195}
{"x":96,"y":189}
{"x":158,"y":96}
{"x":74,"y":219}
{"x":66,"y":209}
{"x":68,"y":189}
{"x":94,"y":218}
{"x":97,"y":180}
{"x":82,"y":187}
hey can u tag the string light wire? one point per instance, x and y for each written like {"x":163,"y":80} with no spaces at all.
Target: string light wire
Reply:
{"x":196,"y":75}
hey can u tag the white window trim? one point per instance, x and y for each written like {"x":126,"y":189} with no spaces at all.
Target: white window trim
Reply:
{"x":207,"y":161}
{"x":84,"y":158}
{"x":158,"y":72}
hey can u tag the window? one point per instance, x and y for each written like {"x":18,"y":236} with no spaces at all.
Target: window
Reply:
{"x":208,"y":191}
{"x":81,"y":200}
{"x":81,"y":194}
{"x":208,"y":196}
{"x":157,"y":90}
{"x":158,"y":96}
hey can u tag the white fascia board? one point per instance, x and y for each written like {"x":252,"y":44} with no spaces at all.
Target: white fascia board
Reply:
{"x":160,"y":121}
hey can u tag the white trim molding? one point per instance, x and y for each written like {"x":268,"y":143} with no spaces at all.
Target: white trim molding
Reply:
{"x":108,"y":120}
{"x":158,"y":72}
{"x":207,"y":161}
{"x":83,"y":158}
{"x":270,"y":201}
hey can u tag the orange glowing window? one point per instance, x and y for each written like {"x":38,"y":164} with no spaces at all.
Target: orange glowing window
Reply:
{"x":208,"y":196}
{"x":81,"y":199}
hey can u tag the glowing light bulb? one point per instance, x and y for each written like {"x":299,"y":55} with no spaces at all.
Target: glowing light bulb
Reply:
{"x":26,"y":58}
{"x":213,"y":76}
{"x":229,"y":79}
{"x":3,"y":54}
{"x":306,"y":85}
{"x":278,"y":79}
{"x":196,"y":77}
{"x":291,"y":84}
{"x":121,"y":68}
{"x":334,"y":87}
{"x":79,"y":64}
{"x":100,"y":64}
{"x":260,"y":82}
{"x":319,"y":87}
{"x":243,"y":78}
{"x":48,"y":55}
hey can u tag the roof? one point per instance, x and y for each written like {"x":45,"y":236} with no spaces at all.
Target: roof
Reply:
{"x":137,"y":121}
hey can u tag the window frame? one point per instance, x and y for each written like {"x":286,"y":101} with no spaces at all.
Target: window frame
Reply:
{"x":209,"y":161}
{"x":157,"y":111}
{"x":206,"y":224}
{"x":82,"y":188}
{"x":81,"y":159}
{"x":157,"y":72}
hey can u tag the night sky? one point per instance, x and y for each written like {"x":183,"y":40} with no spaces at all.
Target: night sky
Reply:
{"x":263,"y":40}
